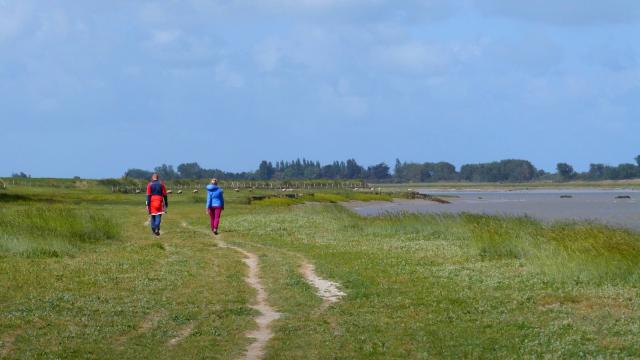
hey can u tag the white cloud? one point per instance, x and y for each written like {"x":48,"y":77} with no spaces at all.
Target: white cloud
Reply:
{"x":179,"y":49}
{"x":228,"y":76}
{"x":268,"y":55}
{"x":370,"y":10}
{"x":14,"y":16}
{"x":614,"y":56}
{"x":333,"y":11}
{"x":565,"y":12}
{"x":164,"y":37}
{"x":340,"y":99}
{"x":354,"y":106}
{"x":53,"y":24}
{"x":414,"y":57}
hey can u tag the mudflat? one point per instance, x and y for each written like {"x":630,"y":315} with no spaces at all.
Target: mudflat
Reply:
{"x":612,"y":207}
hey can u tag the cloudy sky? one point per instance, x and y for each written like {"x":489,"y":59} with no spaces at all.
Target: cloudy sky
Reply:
{"x":92,"y":88}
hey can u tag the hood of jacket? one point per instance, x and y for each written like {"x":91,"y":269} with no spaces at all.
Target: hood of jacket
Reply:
{"x":212,"y":188}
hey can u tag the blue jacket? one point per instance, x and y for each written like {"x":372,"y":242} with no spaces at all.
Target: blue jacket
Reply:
{"x":214,"y":196}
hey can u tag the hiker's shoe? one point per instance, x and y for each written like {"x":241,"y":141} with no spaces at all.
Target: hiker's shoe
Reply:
{"x":215,"y":231}
{"x":157,"y":232}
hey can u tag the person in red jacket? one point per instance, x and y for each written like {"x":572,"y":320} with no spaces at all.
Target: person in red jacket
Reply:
{"x":157,"y":202}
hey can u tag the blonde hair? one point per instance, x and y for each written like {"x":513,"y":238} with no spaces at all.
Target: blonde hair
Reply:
{"x":214,"y":181}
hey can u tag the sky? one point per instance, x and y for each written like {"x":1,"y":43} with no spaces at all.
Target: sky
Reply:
{"x":92,"y":88}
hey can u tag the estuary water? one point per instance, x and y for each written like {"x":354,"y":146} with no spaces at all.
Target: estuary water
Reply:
{"x":612,"y":207}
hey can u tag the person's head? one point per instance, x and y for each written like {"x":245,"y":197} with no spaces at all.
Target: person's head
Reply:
{"x":214,"y":181}
{"x":155,"y":177}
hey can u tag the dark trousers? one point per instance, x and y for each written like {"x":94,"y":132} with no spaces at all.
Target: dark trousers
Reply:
{"x":155,"y":221}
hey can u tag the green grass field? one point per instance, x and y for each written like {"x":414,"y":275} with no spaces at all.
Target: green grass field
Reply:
{"x":82,"y":277}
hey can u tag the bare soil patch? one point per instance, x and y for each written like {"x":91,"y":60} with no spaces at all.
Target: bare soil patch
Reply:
{"x":182,"y":334}
{"x":7,"y":343}
{"x":327,"y":290}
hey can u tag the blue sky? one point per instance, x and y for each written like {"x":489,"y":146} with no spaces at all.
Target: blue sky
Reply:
{"x":91,"y":88}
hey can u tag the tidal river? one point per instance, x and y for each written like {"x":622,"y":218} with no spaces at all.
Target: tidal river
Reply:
{"x":612,"y":207}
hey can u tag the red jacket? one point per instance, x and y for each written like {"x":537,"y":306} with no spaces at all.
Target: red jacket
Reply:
{"x":157,"y":199}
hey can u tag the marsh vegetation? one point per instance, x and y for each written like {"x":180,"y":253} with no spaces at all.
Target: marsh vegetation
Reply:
{"x":82,"y":276}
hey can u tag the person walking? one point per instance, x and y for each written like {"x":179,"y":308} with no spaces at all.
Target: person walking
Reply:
{"x":157,"y":202}
{"x":215,"y":204}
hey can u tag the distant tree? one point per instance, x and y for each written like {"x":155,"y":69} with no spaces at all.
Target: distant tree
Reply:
{"x":219,"y":174}
{"x":379,"y":171}
{"x":596,"y":172}
{"x":512,"y":170}
{"x":137,"y":174}
{"x":517,"y":170}
{"x":353,"y":170}
{"x":265,"y":170}
{"x":166,"y":172}
{"x":21,"y":175}
{"x":312,"y":172}
{"x":397,"y":170}
{"x":441,"y":171}
{"x":565,"y":171}
{"x":627,"y":171}
{"x":329,"y":172}
{"x":413,"y":172}
{"x":190,"y":171}
{"x":611,"y":173}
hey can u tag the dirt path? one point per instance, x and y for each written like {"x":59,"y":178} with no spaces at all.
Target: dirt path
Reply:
{"x":182,"y":334}
{"x":6,"y":343}
{"x":327,"y":290}
{"x":148,"y":323}
{"x":267,"y":315}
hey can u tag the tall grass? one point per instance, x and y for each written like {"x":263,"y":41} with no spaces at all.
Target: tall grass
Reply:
{"x":575,"y":251}
{"x":52,"y":230}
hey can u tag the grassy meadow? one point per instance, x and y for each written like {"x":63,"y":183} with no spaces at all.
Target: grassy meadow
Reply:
{"x":82,"y":277}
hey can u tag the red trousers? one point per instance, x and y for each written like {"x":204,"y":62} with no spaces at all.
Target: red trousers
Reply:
{"x":214,"y":214}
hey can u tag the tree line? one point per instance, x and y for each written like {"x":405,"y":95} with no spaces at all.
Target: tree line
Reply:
{"x":510,"y":170}
{"x":601,"y":171}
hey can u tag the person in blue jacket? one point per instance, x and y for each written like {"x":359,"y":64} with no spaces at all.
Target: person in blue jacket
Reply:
{"x":215,"y":204}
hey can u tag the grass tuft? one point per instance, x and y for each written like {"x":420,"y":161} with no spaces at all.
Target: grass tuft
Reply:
{"x":579,"y":252}
{"x":52,"y":231}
